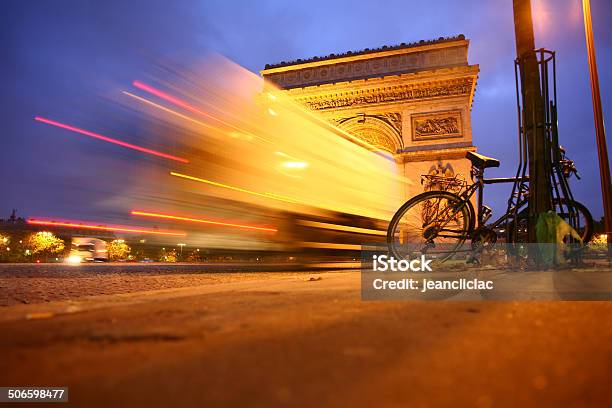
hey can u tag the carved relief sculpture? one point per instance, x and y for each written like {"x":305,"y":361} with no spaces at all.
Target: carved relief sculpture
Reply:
{"x":441,"y":125}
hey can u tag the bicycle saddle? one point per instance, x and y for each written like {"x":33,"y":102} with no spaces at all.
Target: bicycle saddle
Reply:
{"x":480,"y":161}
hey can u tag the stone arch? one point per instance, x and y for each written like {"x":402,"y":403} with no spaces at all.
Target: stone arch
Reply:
{"x":375,"y":131}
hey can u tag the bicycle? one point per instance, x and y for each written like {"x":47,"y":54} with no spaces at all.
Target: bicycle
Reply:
{"x":439,"y":221}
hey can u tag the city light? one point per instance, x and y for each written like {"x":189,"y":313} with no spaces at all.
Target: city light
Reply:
{"x":74,"y":259}
{"x":77,"y":224}
{"x":109,"y":139}
{"x":295,"y":165}
{"x":203,"y":221}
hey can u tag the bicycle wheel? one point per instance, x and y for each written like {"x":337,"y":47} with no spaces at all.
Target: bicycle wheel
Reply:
{"x":584,"y":220}
{"x":435,"y":223}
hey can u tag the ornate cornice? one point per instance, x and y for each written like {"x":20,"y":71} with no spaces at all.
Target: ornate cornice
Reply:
{"x":349,"y":54}
{"x":372,"y":65}
{"x":397,"y":93}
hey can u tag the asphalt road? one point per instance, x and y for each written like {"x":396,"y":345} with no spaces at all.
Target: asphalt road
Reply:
{"x":292,"y":339}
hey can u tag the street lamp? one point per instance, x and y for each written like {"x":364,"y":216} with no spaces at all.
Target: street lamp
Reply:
{"x":600,"y":131}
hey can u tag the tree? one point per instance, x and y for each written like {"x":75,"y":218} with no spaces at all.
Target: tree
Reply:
{"x":194,"y":256}
{"x":599,"y":243}
{"x":4,"y":241}
{"x":44,"y":243}
{"x":4,"y":247}
{"x":118,"y":250}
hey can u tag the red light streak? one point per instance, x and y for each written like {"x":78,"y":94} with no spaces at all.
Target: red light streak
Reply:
{"x":197,"y":220}
{"x":242,"y":190}
{"x":76,"y":224}
{"x":110,"y":140}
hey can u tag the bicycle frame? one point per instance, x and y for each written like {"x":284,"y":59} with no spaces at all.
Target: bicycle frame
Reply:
{"x":478,"y":188}
{"x":515,"y":206}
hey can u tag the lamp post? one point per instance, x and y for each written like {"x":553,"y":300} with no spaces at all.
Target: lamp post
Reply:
{"x":600,"y":131}
{"x":181,"y":245}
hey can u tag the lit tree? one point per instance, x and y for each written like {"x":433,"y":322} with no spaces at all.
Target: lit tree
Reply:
{"x":118,"y":250}
{"x":599,"y":243}
{"x":4,"y":241}
{"x":4,"y":247}
{"x":194,"y":256}
{"x":44,"y":242}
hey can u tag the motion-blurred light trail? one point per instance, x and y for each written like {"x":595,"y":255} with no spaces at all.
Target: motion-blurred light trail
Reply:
{"x":77,"y":224}
{"x":178,"y":102}
{"x":242,"y":134}
{"x":110,"y":140}
{"x":197,"y":220}
{"x":165,"y":109}
{"x":337,"y":227}
{"x":273,"y":174}
{"x":242,"y":190}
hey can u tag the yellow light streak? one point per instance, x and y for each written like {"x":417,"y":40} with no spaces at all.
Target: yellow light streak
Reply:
{"x":330,"y":245}
{"x":242,"y":190}
{"x":202,"y":221}
{"x":337,"y":227}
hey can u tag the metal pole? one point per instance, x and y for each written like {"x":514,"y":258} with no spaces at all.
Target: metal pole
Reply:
{"x":600,"y":131}
{"x":534,"y":115}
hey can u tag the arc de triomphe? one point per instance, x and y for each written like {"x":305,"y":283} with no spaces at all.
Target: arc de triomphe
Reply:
{"x":411,"y":100}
